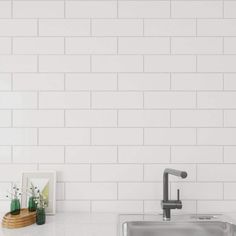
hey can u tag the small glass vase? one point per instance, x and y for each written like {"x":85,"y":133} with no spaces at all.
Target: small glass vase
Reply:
{"x":32,"y":206}
{"x":40,"y":216}
{"x":15,"y":207}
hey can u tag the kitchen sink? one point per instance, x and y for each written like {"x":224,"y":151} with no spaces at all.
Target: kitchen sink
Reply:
{"x":191,"y":225}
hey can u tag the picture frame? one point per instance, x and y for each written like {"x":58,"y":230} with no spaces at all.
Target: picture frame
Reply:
{"x":45,"y":181}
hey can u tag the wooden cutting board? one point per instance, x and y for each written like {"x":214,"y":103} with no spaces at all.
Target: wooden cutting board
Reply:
{"x":24,"y":219}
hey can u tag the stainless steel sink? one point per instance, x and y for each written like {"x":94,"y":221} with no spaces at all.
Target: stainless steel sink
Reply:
{"x":191,"y":226}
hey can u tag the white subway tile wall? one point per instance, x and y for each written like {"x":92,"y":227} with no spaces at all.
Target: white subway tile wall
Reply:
{"x":109,"y":93}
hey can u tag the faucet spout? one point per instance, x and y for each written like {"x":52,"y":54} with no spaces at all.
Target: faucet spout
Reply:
{"x":179,"y":173}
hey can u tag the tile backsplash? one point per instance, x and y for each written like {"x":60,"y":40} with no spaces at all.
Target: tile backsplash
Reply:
{"x":111,"y":92}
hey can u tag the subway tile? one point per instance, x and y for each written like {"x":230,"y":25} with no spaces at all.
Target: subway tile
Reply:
{"x":218,"y":100}
{"x":229,"y":45}
{"x":38,"y":154}
{"x":170,"y":63}
{"x":117,"y":100}
{"x":222,"y":172}
{"x":5,"y":82}
{"x":117,"y":173}
{"x":229,"y":9}
{"x":196,"y":45}
{"x":117,"y":63}
{"x":64,"y":136}
{"x":7,"y":170}
{"x":229,"y":191}
{"x":230,"y":81}
{"x":170,"y":136}
{"x":117,"y":206}
{"x":18,"y":136}
{"x":91,"y":45}
{"x":223,"y":63}
{"x":5,"y":44}
{"x":5,"y":118}
{"x":153,"y":206}
{"x":5,"y":9}
{"x":65,"y":63}
{"x":196,"y":118}
{"x":144,"y":154}
{"x":38,"y":81}
{"x":144,"y":9}
{"x":5,"y":187}
{"x":117,"y":136}
{"x":198,"y":191}
{"x":12,"y":63}
{"x":144,"y":81}
{"x":38,"y":118}
{"x":91,"y":9}
{"x":117,"y":27}
{"x":5,"y":205}
{"x":5,"y":154}
{"x":230,"y":118}
{"x":91,"y":81}
{"x":38,"y":9}
{"x":91,"y":154}
{"x":18,"y":100}
{"x":18,"y":27}
{"x":144,"y":45}
{"x":196,"y":81}
{"x":169,"y":27}
{"x":140,"y":191}
{"x":154,"y":172}
{"x":69,"y":173}
{"x":91,"y":118}
{"x":217,"y":206}
{"x":197,"y":9}
{"x":60,"y":191}
{"x":64,"y":100}
{"x":39,"y":45}
{"x":93,"y":191}
{"x":196,"y":154}
{"x":143,"y":118}
{"x":229,"y":154}
{"x":168,"y":100}
{"x":73,"y":206}
{"x":64,"y":27}
{"x":216,"y":27}
{"x":216,"y":136}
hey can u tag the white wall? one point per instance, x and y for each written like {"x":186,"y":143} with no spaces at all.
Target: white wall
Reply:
{"x":109,"y":93}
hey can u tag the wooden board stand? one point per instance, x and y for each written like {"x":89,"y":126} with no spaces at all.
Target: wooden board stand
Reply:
{"x":25,"y":218}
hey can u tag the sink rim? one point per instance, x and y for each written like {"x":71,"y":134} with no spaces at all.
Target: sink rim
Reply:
{"x":177,"y":219}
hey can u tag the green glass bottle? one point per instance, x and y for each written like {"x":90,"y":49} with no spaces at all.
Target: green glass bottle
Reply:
{"x":32,"y":204}
{"x":15,"y":206}
{"x":40,"y":216}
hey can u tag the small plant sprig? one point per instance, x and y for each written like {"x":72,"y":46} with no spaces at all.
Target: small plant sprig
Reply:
{"x":32,"y":190}
{"x":40,"y":200}
{"x":14,"y":194}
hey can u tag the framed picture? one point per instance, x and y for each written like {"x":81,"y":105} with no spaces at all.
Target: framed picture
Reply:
{"x":45,"y":181}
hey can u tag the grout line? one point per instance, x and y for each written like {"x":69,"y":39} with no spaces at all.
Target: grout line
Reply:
{"x":223,"y":154}
{"x":117,"y":9}
{"x":65,"y":7}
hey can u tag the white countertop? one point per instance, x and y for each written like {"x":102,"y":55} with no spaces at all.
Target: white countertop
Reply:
{"x":83,"y":224}
{"x":70,"y":224}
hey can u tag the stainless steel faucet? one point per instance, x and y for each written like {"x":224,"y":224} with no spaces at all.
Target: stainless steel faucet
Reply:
{"x":167,"y":204}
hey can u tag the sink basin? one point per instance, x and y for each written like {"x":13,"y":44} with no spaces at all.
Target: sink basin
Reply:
{"x":198,"y":226}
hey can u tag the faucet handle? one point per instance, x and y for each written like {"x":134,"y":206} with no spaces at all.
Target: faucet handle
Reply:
{"x":178,"y":194}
